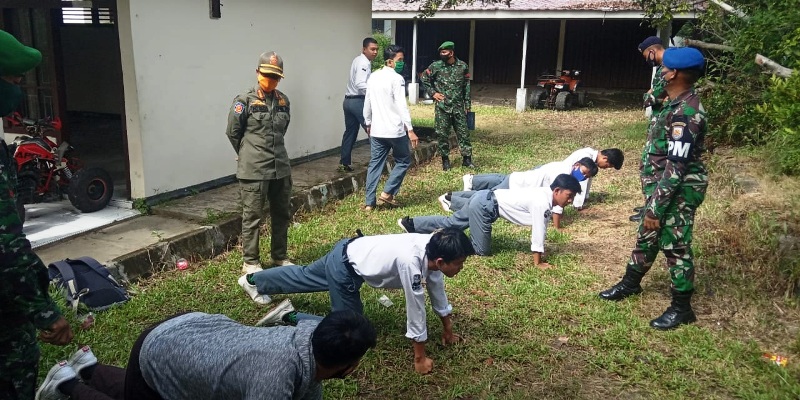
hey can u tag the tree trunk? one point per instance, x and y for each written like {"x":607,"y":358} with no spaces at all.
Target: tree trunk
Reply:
{"x":773,"y":67}
{"x":705,"y":45}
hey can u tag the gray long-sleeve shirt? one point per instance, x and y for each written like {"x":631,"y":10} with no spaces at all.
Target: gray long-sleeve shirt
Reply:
{"x":202,"y":356}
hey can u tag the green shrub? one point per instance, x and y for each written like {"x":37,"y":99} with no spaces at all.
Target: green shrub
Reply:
{"x":383,"y":42}
{"x":782,"y":107}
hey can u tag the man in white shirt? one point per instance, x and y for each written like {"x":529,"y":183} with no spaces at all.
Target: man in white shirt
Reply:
{"x":606,"y":158}
{"x":542,"y":176}
{"x":388,"y":123}
{"x":528,"y":207}
{"x":353,"y":104}
{"x":404,"y":261}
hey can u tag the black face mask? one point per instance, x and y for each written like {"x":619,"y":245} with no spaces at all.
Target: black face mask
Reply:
{"x":651,"y":59}
{"x":444,"y":57}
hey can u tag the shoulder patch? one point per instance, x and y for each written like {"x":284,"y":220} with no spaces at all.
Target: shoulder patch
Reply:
{"x":238,"y":107}
{"x":416,"y":282}
{"x":548,"y":214}
{"x":677,"y":130}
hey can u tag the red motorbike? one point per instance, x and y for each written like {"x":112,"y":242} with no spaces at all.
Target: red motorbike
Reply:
{"x":46,"y":170}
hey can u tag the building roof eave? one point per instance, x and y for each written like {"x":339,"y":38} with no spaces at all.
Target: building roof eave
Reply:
{"x":518,"y":14}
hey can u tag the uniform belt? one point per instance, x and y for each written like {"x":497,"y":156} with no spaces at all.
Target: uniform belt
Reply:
{"x":354,"y":96}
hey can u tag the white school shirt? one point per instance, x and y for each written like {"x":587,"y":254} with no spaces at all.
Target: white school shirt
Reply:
{"x":385,"y":108}
{"x":399,"y":262}
{"x":539,"y":177}
{"x":360,"y":70}
{"x":529,"y":207}
{"x":576,"y":156}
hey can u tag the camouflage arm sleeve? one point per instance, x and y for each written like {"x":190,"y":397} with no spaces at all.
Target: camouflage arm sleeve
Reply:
{"x":427,"y":81}
{"x":23,"y":276}
{"x":680,"y":151}
{"x":656,"y":96}
{"x":237,"y":122}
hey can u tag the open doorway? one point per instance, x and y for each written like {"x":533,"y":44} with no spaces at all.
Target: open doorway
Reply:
{"x":79,"y":85}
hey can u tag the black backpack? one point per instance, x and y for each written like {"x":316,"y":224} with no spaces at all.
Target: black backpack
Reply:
{"x":84,"y":280}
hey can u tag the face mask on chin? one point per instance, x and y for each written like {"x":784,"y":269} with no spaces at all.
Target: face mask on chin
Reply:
{"x":10,"y":97}
{"x":444,"y":57}
{"x":651,"y":59}
{"x":267,"y":84}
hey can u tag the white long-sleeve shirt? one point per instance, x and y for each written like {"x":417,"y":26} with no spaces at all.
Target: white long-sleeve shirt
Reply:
{"x":360,"y":71}
{"x":528,"y":207}
{"x":385,"y":108}
{"x":539,"y":177}
{"x":576,"y":156}
{"x":399,"y":262}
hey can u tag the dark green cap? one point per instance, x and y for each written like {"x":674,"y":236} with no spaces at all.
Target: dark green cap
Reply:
{"x":448,"y":45}
{"x":15,"y":57}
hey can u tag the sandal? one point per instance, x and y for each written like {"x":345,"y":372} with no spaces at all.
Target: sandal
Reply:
{"x":388,"y":200}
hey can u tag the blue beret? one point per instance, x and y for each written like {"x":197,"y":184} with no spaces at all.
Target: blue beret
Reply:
{"x":648,"y":42}
{"x":683,"y":58}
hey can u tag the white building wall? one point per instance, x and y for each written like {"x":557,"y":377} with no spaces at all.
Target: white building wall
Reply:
{"x":182,"y":69}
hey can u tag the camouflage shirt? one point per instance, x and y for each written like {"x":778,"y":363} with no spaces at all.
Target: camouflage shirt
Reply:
{"x":23,"y":276}
{"x":257,"y":124}
{"x":655,"y":97}
{"x":674,"y":149}
{"x":451,"y":80}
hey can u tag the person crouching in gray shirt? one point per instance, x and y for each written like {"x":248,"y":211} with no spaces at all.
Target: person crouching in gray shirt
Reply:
{"x":203,"y":356}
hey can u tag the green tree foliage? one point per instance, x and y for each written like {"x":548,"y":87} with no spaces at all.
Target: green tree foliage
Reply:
{"x":429,"y":7}
{"x":745,"y":104}
{"x":383,"y":42}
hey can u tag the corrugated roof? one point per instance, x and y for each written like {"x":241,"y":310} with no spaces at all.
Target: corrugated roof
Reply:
{"x":519,"y":5}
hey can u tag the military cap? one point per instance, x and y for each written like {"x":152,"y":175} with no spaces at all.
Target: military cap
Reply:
{"x":448,"y":45}
{"x":652,"y":40}
{"x":15,"y":57}
{"x":270,"y":63}
{"x":683,"y":58}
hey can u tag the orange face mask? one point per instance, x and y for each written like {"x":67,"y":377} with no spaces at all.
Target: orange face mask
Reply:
{"x":267,"y":84}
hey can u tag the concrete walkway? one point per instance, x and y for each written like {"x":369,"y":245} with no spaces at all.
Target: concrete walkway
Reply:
{"x":208,"y":223}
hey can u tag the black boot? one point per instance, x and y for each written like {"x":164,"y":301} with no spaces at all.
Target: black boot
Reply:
{"x":680,"y":312}
{"x":628,"y":286}
{"x":639,"y":214}
{"x":445,"y":163}
{"x":467,"y":162}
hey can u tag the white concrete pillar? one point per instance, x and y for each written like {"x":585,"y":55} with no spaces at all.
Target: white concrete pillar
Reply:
{"x":522,"y":92}
{"x":562,"y":34}
{"x":413,"y":87}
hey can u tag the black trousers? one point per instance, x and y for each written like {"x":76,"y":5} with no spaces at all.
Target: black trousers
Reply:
{"x":115,"y":383}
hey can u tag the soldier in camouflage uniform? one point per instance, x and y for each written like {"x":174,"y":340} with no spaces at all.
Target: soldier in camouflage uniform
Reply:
{"x":25,"y":303}
{"x":653,"y":51}
{"x":447,"y":81}
{"x":257,"y":123}
{"x":678,"y":133}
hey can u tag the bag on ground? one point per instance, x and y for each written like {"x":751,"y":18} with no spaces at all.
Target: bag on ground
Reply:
{"x":84,"y":280}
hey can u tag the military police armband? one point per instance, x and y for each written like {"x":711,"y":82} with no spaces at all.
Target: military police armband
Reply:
{"x":681,"y":142}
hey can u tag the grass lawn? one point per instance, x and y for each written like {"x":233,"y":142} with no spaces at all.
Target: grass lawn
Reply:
{"x":532,"y":333}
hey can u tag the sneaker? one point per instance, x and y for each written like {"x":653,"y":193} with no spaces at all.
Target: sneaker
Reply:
{"x":251,"y":291}
{"x":251,"y":268}
{"x":275,"y":316}
{"x":467,"y":182}
{"x":282,"y":263}
{"x":407,"y":224}
{"x":444,"y":203}
{"x":83,"y":358}
{"x":59,"y":374}
{"x":344,"y":168}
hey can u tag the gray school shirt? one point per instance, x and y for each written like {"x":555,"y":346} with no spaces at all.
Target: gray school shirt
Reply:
{"x":202,"y":356}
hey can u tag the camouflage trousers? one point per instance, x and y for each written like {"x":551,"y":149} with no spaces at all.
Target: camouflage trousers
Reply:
{"x":19,"y":362}
{"x":456,"y":120}
{"x":674,"y":238}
